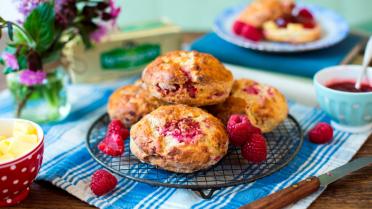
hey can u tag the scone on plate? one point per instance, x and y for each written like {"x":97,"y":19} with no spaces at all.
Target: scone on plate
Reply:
{"x":179,"y":138}
{"x":130,"y":103}
{"x":188,"y":77}
{"x":277,"y":20}
{"x":265,"y":106}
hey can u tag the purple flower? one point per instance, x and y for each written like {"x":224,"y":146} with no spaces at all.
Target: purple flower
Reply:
{"x":98,"y":34}
{"x":66,"y":11}
{"x":31,"y":78}
{"x":10,"y":60}
{"x":114,"y":11}
{"x":26,"y":6}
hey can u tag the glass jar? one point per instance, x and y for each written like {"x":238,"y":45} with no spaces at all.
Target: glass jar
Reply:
{"x":42,"y":103}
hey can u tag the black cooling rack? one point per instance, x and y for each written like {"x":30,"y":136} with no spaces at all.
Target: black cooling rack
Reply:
{"x":283,"y":144}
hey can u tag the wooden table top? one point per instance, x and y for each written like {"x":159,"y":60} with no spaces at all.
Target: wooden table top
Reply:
{"x":352,"y":192}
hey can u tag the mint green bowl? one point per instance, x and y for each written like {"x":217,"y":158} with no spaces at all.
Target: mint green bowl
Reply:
{"x":351,"y":112}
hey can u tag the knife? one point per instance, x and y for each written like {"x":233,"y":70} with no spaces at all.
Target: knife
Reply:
{"x":306,"y":187}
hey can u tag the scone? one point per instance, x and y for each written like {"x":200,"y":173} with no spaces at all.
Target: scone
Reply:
{"x":277,"y":20}
{"x":130,"y":103}
{"x":265,"y":106}
{"x":179,"y":138}
{"x":260,"y":11}
{"x":191,"y":78}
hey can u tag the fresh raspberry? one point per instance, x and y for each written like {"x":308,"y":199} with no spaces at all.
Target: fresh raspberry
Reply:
{"x":309,"y":24}
{"x":252,"y":33}
{"x":305,"y":14}
{"x":116,"y":126}
{"x":113,"y":143}
{"x":255,"y":150}
{"x":102,"y":182}
{"x":305,"y":17}
{"x":240,"y":129}
{"x":238,"y":27}
{"x":321,"y":133}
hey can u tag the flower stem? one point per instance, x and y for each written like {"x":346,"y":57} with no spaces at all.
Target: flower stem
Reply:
{"x":23,"y":102}
{"x":25,"y":34}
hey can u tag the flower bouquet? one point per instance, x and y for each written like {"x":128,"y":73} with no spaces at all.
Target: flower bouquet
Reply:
{"x":33,"y":59}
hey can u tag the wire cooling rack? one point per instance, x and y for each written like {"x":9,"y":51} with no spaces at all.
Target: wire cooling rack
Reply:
{"x":283,"y":144}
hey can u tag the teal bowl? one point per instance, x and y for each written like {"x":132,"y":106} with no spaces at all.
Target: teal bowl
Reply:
{"x":349,"y":111}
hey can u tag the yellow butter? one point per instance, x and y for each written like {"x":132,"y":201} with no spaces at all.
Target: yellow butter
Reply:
{"x":24,"y":139}
{"x":21,"y":128}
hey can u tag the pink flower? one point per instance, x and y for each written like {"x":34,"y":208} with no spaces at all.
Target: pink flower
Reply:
{"x":10,"y":60}
{"x":114,"y":11}
{"x":98,"y":34}
{"x":31,"y":78}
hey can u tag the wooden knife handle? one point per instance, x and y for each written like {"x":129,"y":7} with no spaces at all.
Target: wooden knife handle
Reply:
{"x":286,"y":196}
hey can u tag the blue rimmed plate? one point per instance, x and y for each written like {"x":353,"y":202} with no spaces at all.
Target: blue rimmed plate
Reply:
{"x":334,"y":29}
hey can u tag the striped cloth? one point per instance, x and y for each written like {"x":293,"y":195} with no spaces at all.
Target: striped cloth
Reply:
{"x":68,"y":165}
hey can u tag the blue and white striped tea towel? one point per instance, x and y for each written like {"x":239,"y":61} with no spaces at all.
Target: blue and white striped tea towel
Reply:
{"x":68,"y":165}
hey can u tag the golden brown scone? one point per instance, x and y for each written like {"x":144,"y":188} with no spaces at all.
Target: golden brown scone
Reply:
{"x":294,"y":33}
{"x":192,"y":78}
{"x":130,"y":103}
{"x":265,"y":106}
{"x":179,"y":138}
{"x":260,"y":11}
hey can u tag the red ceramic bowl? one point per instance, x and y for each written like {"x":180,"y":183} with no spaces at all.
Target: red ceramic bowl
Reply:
{"x":17,"y":175}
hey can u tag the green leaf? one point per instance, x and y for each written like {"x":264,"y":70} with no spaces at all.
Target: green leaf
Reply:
{"x":19,"y":38}
{"x":85,"y":38}
{"x":10,"y":30}
{"x":22,"y":61}
{"x":40,"y":25}
{"x":7,"y":70}
{"x":10,"y":49}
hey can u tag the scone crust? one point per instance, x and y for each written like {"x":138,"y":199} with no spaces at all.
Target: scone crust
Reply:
{"x":188,"y":77}
{"x":265,"y":106}
{"x":197,"y":142}
{"x":130,"y":103}
{"x":260,"y":11}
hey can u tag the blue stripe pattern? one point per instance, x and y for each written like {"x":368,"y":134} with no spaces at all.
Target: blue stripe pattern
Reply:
{"x":68,"y":165}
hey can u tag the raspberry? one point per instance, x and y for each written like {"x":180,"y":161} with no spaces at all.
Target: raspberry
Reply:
{"x":238,"y":27}
{"x":116,"y":126}
{"x":304,"y":14}
{"x":251,"y":33}
{"x":321,"y":133}
{"x":113,"y":143}
{"x":184,"y":130}
{"x":305,"y":17}
{"x":102,"y":182}
{"x":240,"y":129}
{"x":255,"y":150}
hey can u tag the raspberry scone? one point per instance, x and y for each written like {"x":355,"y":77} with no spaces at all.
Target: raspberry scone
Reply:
{"x":264,"y":106}
{"x":179,"y":138}
{"x":130,"y":103}
{"x":277,"y":20}
{"x":188,"y":77}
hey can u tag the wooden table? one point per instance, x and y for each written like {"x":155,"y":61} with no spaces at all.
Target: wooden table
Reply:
{"x":353,"y":191}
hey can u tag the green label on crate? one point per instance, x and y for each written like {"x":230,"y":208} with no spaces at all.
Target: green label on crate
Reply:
{"x":130,"y":56}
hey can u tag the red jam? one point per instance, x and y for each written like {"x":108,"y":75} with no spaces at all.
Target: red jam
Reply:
{"x":349,"y":86}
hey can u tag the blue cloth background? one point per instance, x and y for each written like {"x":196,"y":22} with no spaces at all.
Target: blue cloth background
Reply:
{"x":68,"y":165}
{"x":301,"y":63}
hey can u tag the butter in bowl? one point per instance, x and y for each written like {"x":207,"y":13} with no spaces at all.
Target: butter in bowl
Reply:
{"x":21,"y":154}
{"x":350,"y":109}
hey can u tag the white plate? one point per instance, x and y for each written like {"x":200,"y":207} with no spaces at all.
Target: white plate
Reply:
{"x":334,"y":29}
